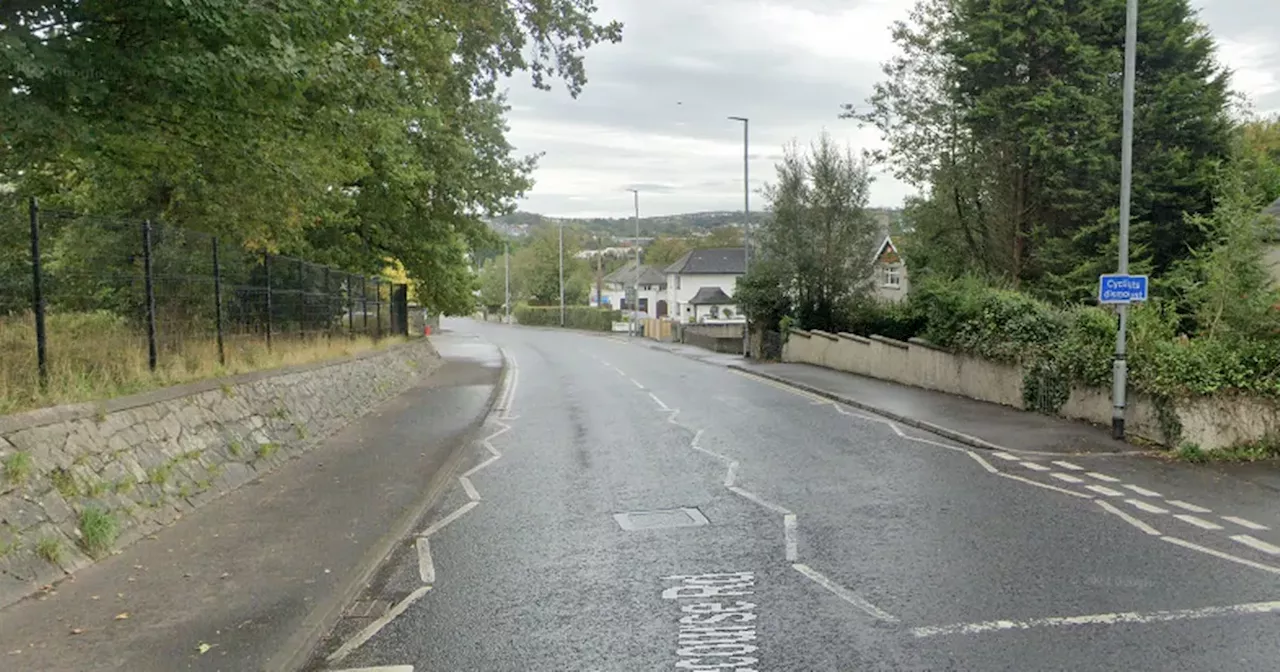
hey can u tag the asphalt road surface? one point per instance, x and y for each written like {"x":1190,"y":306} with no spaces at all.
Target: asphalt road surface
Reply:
{"x":637,"y":510}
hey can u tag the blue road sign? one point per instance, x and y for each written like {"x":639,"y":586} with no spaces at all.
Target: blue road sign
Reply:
{"x":1116,"y":288}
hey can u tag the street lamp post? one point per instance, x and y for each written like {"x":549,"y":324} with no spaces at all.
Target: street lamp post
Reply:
{"x":1119,"y":366}
{"x":746,"y":221}
{"x":506,"y":258}
{"x":635,"y":281}
{"x":561,"y":274}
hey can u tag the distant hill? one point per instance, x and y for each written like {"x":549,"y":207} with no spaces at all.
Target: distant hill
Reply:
{"x":521,"y":223}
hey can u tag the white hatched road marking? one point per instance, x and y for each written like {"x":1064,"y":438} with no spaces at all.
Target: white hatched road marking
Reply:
{"x":1245,"y":523}
{"x":1187,"y":507}
{"x":1035,"y":467}
{"x":1067,"y":465}
{"x":1219,"y":554}
{"x":1109,"y":508}
{"x":1142,"y":491}
{"x":1100,"y":619}
{"x":1198,"y":522}
{"x":1066,"y":477}
{"x":1103,"y":477}
{"x":1104,"y":490}
{"x":1254,"y":542}
{"x":373,"y":628}
{"x":1006,"y":456}
{"x":426,"y":568}
{"x":384,"y":668}
{"x":1149,"y":508}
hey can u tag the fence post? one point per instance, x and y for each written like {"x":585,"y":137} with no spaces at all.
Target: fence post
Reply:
{"x":377,"y":307}
{"x":351,"y":306}
{"x":148,"y":283}
{"x":37,"y":295}
{"x":217,"y":300}
{"x":266,"y":265}
{"x":300,"y":308}
{"x":328,"y":306}
{"x":364,"y":301}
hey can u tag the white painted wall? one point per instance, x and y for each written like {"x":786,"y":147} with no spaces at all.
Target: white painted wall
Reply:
{"x":681,"y":288}
{"x":614,"y":294}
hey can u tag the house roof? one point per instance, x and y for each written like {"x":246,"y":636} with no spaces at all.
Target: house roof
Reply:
{"x":627,"y":274}
{"x":717,"y":260}
{"x":710,"y":296}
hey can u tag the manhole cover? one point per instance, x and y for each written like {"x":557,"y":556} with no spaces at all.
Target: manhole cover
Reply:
{"x":653,"y":520}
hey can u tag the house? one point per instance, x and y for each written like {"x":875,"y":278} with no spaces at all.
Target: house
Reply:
{"x":889,"y":273}
{"x":652,"y":290}
{"x":711,"y":269}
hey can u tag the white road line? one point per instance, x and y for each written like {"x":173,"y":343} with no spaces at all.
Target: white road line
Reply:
{"x":1246,"y":523}
{"x":1254,"y":542}
{"x":985,"y":464}
{"x":1066,"y":477}
{"x":482,"y":465}
{"x":659,"y":402}
{"x":1187,"y":507}
{"x":634,"y":381}
{"x":1149,"y":508}
{"x":1046,"y":486}
{"x":731,"y":475}
{"x":1103,"y":477}
{"x":1198,"y":522}
{"x":845,"y":594}
{"x":746,"y":494}
{"x":384,"y":668}
{"x":1035,"y":467}
{"x":373,"y":628}
{"x":1141,"y":491}
{"x":789,"y":533}
{"x":1100,"y":619}
{"x":1007,"y":456}
{"x":1109,"y":508}
{"x":1068,"y":465}
{"x":426,"y":568}
{"x":472,"y":493}
{"x":1219,"y":554}
{"x":1104,"y":490}
{"x":440,"y":525}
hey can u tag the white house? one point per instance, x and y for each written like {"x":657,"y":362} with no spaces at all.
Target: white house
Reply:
{"x":710,"y":269}
{"x":889,"y":274}
{"x":652,"y":290}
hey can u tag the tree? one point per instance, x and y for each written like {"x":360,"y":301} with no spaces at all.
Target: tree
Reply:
{"x":818,"y":249}
{"x":493,"y":284}
{"x":725,"y":236}
{"x":538,"y":267}
{"x":665,"y":250}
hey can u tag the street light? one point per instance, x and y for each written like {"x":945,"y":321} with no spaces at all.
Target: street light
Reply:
{"x":635,"y":281}
{"x":1119,"y":367}
{"x":562,"y":273}
{"x":746,"y":221}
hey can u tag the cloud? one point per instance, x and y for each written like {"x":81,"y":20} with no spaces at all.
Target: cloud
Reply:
{"x":654,"y":114}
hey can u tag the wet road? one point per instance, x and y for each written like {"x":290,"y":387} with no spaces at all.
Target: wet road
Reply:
{"x":636,"y":510}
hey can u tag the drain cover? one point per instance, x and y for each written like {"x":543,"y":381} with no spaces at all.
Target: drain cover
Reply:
{"x":654,"y":520}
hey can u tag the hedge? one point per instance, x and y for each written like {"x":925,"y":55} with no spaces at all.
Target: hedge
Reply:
{"x":575,"y":317}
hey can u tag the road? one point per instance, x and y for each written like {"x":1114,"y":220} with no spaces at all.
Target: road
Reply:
{"x":795,"y":534}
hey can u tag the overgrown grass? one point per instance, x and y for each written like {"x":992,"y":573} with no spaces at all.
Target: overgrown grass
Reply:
{"x":50,"y":549}
{"x":97,"y":530}
{"x":1266,"y":449}
{"x":99,"y":355}
{"x":17,"y":467}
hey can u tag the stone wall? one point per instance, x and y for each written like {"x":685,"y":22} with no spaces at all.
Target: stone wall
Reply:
{"x":1208,"y":422}
{"x":77,"y":481}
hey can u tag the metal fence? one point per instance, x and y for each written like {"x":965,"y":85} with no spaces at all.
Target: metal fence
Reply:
{"x":147,"y":289}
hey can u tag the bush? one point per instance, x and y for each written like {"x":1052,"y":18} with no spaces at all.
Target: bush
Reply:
{"x":575,"y":317}
{"x":867,"y":317}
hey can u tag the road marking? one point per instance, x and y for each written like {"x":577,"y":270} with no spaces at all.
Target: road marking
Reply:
{"x":1198,"y":522}
{"x":467,"y":485}
{"x":731,"y":475}
{"x":1254,"y":542}
{"x":1109,"y":508}
{"x":1246,"y":523}
{"x":1149,"y":508}
{"x":789,"y":533}
{"x":636,"y":382}
{"x":1141,"y":491}
{"x":1007,"y":456}
{"x":440,"y":525}
{"x":1035,"y":467}
{"x":1100,"y":619}
{"x":373,"y":628}
{"x":756,"y":498}
{"x":426,"y":568}
{"x":1066,"y":477}
{"x":718,"y":634}
{"x":1187,"y":507}
{"x":1103,"y":477}
{"x":384,"y":668}
{"x":845,"y":594}
{"x":1219,"y":554}
{"x":1068,"y":465}
{"x":1046,"y":486}
{"x":482,"y":465}
{"x":1104,"y":490}
{"x":659,"y":402}
{"x":985,"y":464}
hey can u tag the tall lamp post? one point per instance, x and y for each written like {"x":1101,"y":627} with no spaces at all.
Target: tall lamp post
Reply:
{"x":1119,"y":366}
{"x":635,"y":281}
{"x":746,"y":220}
{"x":562,"y":274}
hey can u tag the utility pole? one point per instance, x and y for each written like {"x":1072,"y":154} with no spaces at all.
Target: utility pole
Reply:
{"x":746,"y":222}
{"x":506,"y":258}
{"x":635,"y":280}
{"x":562,"y":274}
{"x":599,"y":272}
{"x":1119,"y":366}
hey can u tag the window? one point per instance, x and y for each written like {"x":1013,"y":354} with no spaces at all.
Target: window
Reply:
{"x":891,"y":276}
{"x":644,"y":305}
{"x":677,"y":282}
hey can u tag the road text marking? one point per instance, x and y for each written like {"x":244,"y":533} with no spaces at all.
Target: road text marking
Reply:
{"x":719,"y":634}
{"x":1100,"y":619}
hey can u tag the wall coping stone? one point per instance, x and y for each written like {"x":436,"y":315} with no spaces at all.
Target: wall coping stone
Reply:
{"x":854,"y":337}
{"x":824,"y":334}
{"x":891,"y":341}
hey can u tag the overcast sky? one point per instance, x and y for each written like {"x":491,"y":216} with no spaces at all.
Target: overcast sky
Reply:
{"x":653,"y":115}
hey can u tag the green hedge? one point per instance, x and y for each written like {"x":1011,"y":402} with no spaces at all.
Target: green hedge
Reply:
{"x":575,"y":317}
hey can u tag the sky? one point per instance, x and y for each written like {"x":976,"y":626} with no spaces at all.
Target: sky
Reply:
{"x":653,"y":115}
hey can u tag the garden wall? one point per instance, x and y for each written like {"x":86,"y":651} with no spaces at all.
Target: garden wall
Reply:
{"x":1208,"y":422}
{"x":80,"y":480}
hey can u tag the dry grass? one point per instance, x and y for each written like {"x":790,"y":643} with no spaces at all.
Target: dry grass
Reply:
{"x":94,"y":356}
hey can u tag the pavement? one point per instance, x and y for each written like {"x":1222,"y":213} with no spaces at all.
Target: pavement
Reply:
{"x":254,"y":579}
{"x":632,"y":509}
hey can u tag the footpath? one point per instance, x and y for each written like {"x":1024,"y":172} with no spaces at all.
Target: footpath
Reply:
{"x":251,"y":582}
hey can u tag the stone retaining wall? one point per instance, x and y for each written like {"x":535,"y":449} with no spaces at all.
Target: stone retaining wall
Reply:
{"x":77,"y":481}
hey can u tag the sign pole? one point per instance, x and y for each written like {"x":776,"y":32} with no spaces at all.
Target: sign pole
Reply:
{"x":1119,"y":366}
